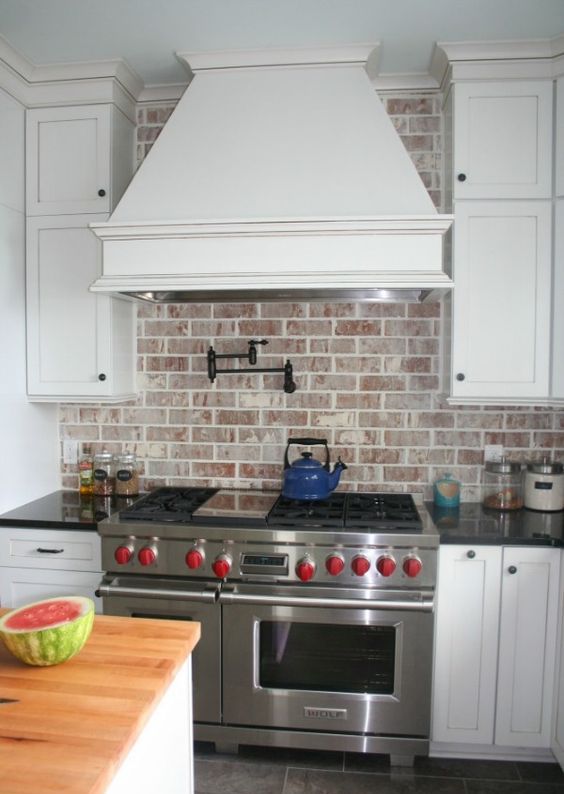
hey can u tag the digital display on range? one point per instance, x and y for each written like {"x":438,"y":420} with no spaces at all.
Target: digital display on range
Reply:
{"x":264,"y":559}
{"x":264,"y":564}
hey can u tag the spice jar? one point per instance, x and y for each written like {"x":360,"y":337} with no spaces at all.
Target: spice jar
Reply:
{"x":104,"y":479}
{"x":503,"y":485}
{"x":127,"y":475}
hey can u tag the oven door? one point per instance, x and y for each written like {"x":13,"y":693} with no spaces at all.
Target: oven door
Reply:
{"x":144,"y":597}
{"x":325,"y":660}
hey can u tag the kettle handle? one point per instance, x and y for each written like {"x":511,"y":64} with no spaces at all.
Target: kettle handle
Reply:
{"x":307,"y":442}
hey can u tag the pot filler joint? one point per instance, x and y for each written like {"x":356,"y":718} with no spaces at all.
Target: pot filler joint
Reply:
{"x":251,"y":356}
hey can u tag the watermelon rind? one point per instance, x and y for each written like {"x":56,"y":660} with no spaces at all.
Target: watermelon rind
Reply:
{"x":53,"y":644}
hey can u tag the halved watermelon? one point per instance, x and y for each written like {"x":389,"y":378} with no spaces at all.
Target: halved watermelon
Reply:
{"x":50,"y":631}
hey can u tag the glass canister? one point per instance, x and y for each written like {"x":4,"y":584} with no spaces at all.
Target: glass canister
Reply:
{"x":127,"y":475}
{"x":104,"y":476}
{"x":503,"y":485}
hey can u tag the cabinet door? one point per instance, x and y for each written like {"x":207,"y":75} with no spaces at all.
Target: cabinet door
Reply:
{"x":557,"y":385}
{"x":503,"y":140}
{"x":527,"y":646}
{"x":501,"y":309}
{"x":68,"y":160}
{"x":559,"y":131}
{"x":19,"y":586}
{"x":466,"y":641}
{"x":80,"y":344}
{"x":557,"y":745}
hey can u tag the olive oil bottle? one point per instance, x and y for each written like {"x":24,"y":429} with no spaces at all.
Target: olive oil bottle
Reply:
{"x":85,"y":472}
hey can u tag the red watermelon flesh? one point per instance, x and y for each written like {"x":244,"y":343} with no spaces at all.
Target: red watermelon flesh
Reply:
{"x":46,"y":613}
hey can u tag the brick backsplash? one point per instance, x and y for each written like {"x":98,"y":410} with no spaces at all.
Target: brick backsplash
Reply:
{"x":367,"y":380}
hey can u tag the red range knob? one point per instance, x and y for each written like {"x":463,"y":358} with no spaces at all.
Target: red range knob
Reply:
{"x":221,"y":566}
{"x":123,"y":554}
{"x":194,"y":558}
{"x":147,"y":555}
{"x":360,"y":565}
{"x":412,"y":566}
{"x":386,"y":565}
{"x":305,"y":570}
{"x":334,"y":564}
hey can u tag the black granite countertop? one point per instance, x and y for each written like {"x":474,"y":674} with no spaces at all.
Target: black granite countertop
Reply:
{"x":472,"y":523}
{"x":469,"y":523}
{"x":63,"y":510}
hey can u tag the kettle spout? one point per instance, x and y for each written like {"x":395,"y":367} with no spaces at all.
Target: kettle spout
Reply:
{"x":335,"y":475}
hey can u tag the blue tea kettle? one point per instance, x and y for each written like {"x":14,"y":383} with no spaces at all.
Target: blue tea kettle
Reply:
{"x":306,"y":478}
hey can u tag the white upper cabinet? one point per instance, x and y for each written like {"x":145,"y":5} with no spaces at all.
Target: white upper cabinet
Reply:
{"x":501,"y":342}
{"x":559,"y":148}
{"x":73,"y":162}
{"x":503,"y":139}
{"x":12,"y":153}
{"x":80,"y":344}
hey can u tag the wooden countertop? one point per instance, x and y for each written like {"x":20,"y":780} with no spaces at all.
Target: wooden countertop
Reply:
{"x":74,"y":723}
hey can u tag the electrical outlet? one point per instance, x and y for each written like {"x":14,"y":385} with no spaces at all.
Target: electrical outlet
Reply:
{"x":493,"y":452}
{"x":70,"y":451}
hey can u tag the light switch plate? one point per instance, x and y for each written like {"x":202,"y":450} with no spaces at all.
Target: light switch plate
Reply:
{"x":70,"y":451}
{"x":493,"y":452}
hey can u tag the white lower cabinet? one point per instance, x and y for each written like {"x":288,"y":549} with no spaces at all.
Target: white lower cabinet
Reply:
{"x":19,"y":586}
{"x":44,"y":563}
{"x":557,"y":746}
{"x":495,"y":640}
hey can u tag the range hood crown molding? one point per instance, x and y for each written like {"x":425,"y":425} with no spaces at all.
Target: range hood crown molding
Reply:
{"x":278,"y":171}
{"x":365,"y":55}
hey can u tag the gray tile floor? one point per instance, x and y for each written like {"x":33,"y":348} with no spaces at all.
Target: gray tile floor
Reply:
{"x":260,"y":770}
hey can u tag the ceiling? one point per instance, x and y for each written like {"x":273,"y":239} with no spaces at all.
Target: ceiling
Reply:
{"x":148,"y":33}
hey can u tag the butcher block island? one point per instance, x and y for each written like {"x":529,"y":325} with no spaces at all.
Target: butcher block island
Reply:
{"x":115,"y":718}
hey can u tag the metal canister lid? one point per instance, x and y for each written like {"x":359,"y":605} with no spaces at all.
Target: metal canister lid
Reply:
{"x":127,"y":457}
{"x":503,"y":467}
{"x":545,"y":467}
{"x":104,"y":456}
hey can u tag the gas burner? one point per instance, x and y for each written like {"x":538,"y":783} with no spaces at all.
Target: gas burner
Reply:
{"x":319,"y":513}
{"x":168,"y":504}
{"x":380,"y":511}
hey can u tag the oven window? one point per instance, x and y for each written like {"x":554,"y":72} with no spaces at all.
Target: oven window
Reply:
{"x":328,"y":658}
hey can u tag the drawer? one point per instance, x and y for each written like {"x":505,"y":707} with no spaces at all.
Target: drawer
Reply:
{"x":50,"y":549}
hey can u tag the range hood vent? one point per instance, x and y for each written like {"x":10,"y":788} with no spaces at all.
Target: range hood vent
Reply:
{"x":278,"y":176}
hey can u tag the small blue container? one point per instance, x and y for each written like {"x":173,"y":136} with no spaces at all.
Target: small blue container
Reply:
{"x":446,"y":492}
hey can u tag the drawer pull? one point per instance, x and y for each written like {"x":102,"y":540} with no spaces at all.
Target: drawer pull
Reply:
{"x":49,"y":551}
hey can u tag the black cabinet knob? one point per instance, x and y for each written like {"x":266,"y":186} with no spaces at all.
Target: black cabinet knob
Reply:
{"x":471,"y":554}
{"x":461,"y":177}
{"x":460,"y":376}
{"x":101,"y":376}
{"x":101,"y":192}
{"x":512,"y":569}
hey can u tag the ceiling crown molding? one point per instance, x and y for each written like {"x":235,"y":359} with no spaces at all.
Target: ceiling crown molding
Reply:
{"x":65,"y":83}
{"x":515,"y":59}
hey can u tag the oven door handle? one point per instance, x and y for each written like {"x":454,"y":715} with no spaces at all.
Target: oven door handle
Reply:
{"x":109,"y":590}
{"x":423,"y":604}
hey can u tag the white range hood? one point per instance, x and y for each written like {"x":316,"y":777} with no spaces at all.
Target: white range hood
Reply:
{"x":278,"y":175}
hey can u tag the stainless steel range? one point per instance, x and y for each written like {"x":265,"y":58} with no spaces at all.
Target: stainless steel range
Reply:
{"x":317,"y":617}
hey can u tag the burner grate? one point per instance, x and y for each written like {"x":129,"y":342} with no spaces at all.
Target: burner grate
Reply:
{"x":319,"y":513}
{"x":378,"y":511}
{"x":168,"y":504}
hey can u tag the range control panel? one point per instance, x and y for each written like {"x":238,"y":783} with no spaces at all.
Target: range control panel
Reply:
{"x":382,"y":565}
